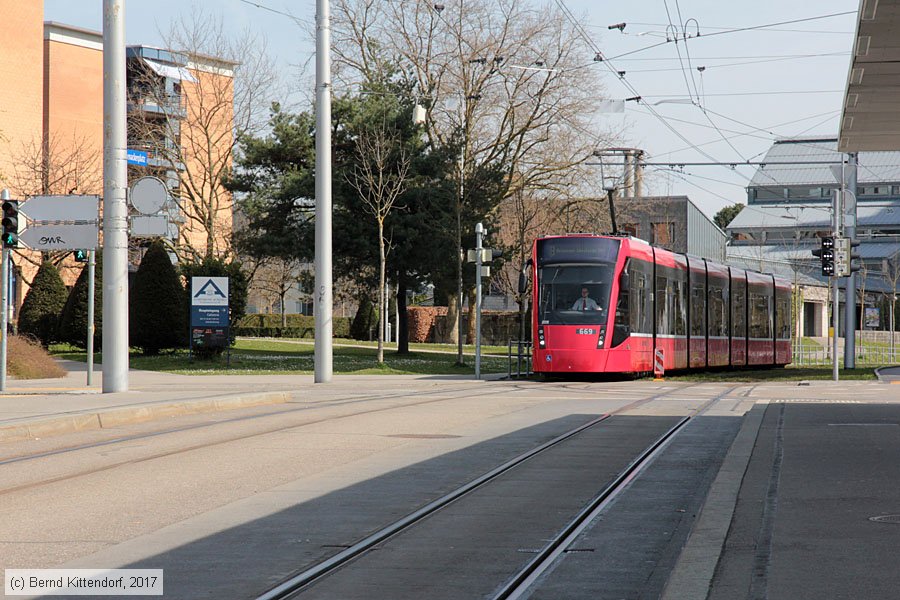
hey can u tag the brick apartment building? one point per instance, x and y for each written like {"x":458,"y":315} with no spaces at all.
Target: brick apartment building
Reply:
{"x":51,"y":127}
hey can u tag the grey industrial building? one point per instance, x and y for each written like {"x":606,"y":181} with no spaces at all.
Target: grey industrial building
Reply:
{"x":673,"y":223}
{"x":789,"y":208}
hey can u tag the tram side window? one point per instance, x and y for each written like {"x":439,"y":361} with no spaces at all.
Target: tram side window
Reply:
{"x":738,"y":322}
{"x":679,"y":307}
{"x":782,"y":318}
{"x":663,"y":299}
{"x":623,"y":312}
{"x":697,"y":309}
{"x":760,"y":316}
{"x":641,"y":274}
{"x":717,"y":317}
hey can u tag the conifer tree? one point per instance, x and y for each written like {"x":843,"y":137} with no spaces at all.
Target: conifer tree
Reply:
{"x":43,"y":305}
{"x":73,"y":321}
{"x":157,"y":303}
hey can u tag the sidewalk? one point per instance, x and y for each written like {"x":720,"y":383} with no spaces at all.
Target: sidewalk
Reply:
{"x":45,"y":407}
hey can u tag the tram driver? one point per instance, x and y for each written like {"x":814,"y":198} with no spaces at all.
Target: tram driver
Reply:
{"x":585,"y":302}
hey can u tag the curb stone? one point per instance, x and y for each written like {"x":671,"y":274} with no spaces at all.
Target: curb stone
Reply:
{"x":41,"y":427}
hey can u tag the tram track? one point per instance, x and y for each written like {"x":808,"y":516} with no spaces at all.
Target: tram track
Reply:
{"x":518,"y":586}
{"x":211,"y":444}
{"x":234,"y":438}
{"x":297,"y":584}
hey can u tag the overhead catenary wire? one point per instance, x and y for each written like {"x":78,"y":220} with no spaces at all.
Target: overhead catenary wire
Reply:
{"x":737,"y":30}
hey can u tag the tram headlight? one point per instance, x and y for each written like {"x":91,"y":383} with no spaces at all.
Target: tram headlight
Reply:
{"x":601,"y":337}
{"x":541,"y":341}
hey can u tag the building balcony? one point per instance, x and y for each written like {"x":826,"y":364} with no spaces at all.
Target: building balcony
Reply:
{"x":166,"y":104}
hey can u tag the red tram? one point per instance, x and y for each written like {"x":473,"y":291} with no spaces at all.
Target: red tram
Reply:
{"x":606,"y":304}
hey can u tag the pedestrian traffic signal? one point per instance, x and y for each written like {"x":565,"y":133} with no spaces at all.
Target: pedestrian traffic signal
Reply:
{"x":826,"y":253}
{"x":81,"y":256}
{"x":10,"y":224}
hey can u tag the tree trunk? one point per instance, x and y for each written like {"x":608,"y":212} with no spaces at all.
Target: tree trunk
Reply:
{"x":470,"y":324}
{"x":381,"y":311}
{"x":452,"y":315}
{"x":283,"y":310}
{"x":403,"y":329}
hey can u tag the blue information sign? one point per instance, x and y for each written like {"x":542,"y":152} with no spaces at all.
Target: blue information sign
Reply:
{"x":136,"y":157}
{"x":209,"y":316}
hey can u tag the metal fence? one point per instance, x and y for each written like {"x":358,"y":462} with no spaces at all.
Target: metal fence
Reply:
{"x":518,"y":355}
{"x":865,"y":355}
{"x":521,"y":359}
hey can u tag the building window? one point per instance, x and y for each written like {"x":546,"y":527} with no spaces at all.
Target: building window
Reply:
{"x":632,"y":229}
{"x":663,"y":233}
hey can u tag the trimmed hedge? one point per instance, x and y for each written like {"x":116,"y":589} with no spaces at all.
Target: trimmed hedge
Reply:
{"x":299,"y":326}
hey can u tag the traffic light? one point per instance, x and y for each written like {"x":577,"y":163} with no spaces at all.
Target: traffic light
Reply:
{"x":853,"y":256}
{"x":81,"y":256}
{"x":10,"y":224}
{"x":844,"y":257}
{"x":826,"y":253}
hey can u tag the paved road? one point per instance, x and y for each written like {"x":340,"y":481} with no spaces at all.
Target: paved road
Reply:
{"x":770,"y":494}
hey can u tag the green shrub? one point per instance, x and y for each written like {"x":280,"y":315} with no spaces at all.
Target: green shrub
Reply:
{"x":365,"y":321}
{"x":73,"y":321}
{"x":157,"y":305}
{"x":43,"y":305}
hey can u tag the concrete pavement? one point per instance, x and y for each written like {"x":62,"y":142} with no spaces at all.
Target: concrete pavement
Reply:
{"x":804,"y":504}
{"x":45,"y":407}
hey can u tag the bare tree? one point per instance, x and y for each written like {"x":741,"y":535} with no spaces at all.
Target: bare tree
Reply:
{"x":379,"y":177}
{"x":501,"y":77}
{"x":274,"y":278}
{"x":890,"y":269}
{"x":55,"y":164}
{"x":223,"y":94}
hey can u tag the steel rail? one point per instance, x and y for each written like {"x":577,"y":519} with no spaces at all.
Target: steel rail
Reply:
{"x":518,"y":585}
{"x":301,"y":580}
{"x":298,"y":582}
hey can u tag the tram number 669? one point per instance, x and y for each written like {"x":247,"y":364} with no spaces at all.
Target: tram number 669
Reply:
{"x":585,"y":331}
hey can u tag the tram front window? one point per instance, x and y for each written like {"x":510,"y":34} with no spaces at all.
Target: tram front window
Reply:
{"x":574,"y":294}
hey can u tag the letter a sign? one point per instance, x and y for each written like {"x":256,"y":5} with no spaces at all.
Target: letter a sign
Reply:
{"x":209,"y":291}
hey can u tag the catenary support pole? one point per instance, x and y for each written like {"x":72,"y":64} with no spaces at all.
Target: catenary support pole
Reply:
{"x":849,"y":212}
{"x":323,"y":293}
{"x":837,"y":226}
{"x":115,"y":212}
{"x":836,"y":319}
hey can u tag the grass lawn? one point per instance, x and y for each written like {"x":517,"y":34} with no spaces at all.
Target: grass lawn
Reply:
{"x":260,"y":357}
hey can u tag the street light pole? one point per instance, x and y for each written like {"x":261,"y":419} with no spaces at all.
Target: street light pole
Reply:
{"x":323,"y":291}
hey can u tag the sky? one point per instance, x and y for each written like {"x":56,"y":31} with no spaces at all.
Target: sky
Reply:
{"x":757,"y":71}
